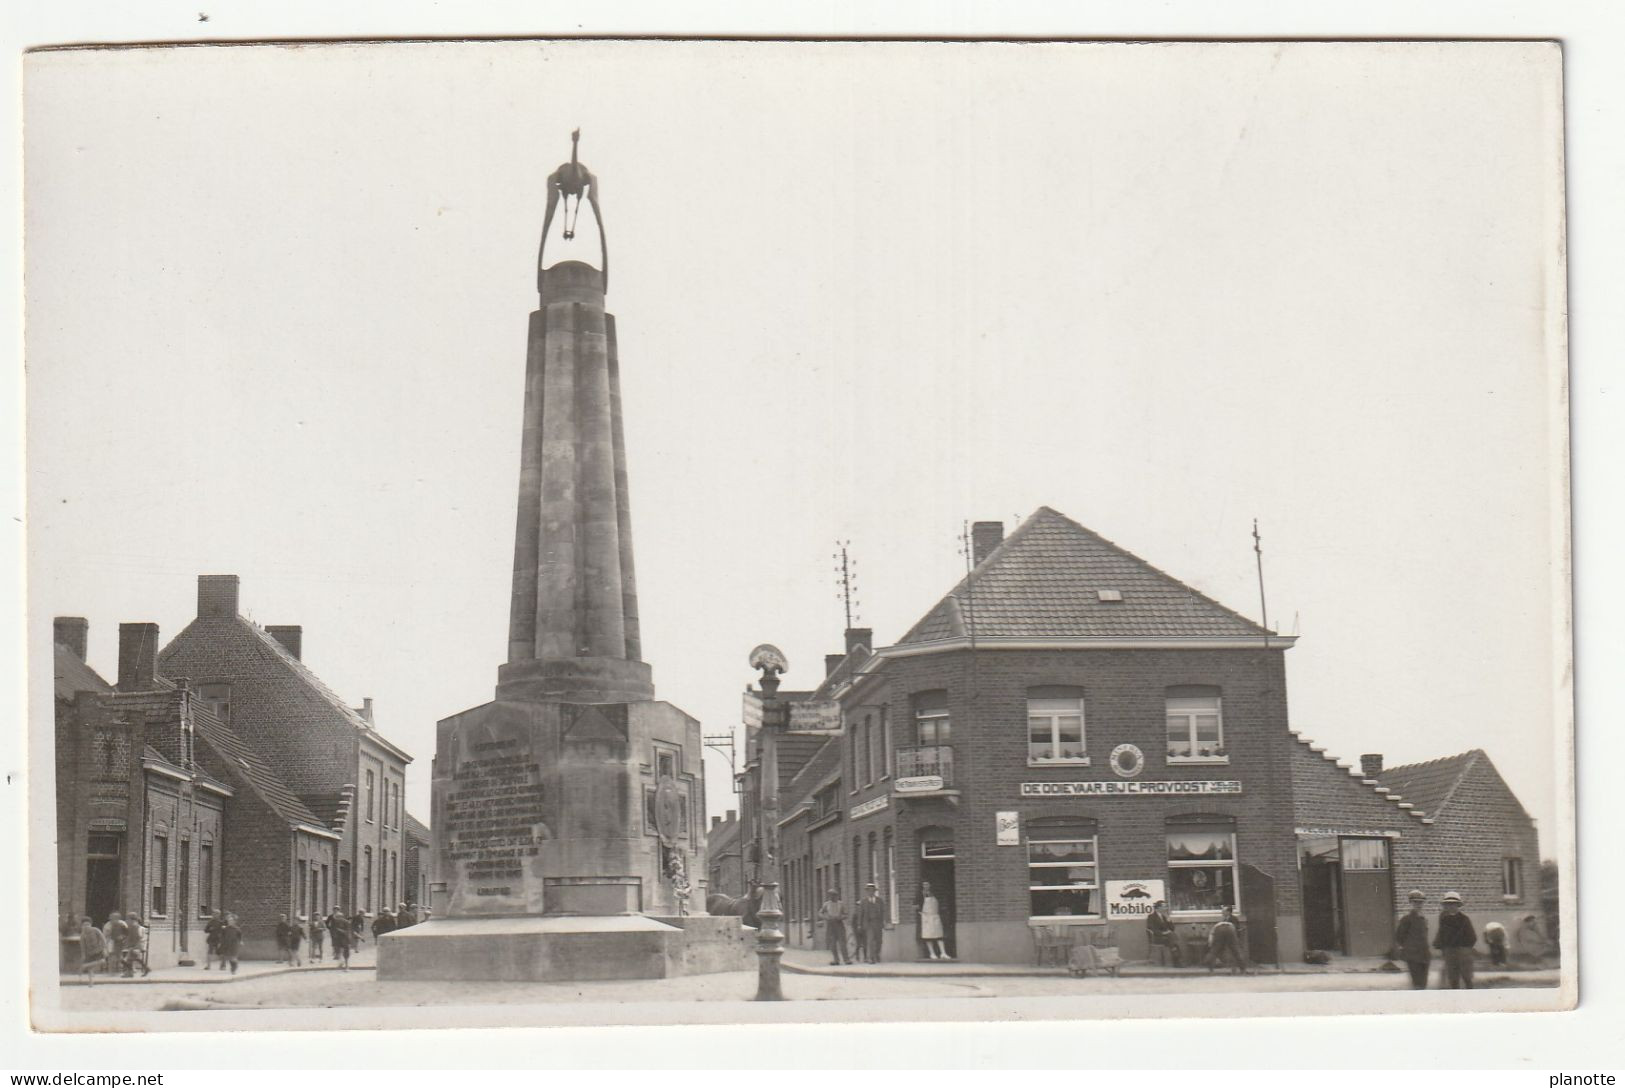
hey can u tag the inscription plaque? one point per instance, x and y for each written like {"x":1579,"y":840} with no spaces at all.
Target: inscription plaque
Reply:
{"x":494,"y":825}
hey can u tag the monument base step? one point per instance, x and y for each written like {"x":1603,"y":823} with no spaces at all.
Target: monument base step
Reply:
{"x":563,"y":948}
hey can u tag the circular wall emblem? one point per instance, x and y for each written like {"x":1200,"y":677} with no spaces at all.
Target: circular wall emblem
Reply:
{"x":1127,"y":760}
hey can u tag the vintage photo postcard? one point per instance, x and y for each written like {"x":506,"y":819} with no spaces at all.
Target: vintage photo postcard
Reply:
{"x":668,"y":532}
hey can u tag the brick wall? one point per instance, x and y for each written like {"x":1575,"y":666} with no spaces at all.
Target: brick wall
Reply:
{"x":1124,"y":692}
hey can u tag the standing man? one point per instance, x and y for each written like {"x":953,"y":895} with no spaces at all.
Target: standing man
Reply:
{"x":871,"y":923}
{"x":1455,"y":941}
{"x":833,"y":915}
{"x":1159,"y":933}
{"x":231,"y":943}
{"x":284,"y":939}
{"x":318,"y":934}
{"x":1411,"y":942}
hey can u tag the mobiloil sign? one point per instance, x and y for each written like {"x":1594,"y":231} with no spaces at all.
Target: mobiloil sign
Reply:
{"x":1131,"y":898}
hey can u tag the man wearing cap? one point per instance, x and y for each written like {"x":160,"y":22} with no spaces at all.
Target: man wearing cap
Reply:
{"x":871,"y":922}
{"x":833,"y":915}
{"x":1411,"y":942}
{"x":1455,"y":941}
{"x":1159,"y":932}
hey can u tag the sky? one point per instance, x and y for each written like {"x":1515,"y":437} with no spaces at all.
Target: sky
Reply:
{"x":277,"y":299}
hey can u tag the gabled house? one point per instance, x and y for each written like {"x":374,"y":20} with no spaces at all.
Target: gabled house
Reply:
{"x":331,"y":756}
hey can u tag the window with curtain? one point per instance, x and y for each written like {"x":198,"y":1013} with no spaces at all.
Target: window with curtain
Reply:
{"x":1195,"y":725}
{"x":1062,"y":871}
{"x":160,"y":874}
{"x":1201,"y":866}
{"x":932,"y":724}
{"x":1055,"y":725}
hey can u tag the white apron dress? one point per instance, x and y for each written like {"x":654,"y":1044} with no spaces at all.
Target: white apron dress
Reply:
{"x":930,"y":920}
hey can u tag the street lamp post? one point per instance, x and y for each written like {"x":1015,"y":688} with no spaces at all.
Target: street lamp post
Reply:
{"x":770,"y":914}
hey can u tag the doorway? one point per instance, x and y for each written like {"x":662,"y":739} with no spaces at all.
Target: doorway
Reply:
{"x":1347,"y":894}
{"x":103,"y":852}
{"x":937,"y":870}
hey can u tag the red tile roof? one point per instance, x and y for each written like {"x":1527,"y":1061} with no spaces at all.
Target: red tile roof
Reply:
{"x":1045,"y":581}
{"x":1430,"y":785}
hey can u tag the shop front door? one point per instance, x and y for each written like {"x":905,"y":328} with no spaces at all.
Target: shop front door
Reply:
{"x":1320,"y":873}
{"x":1368,"y":897}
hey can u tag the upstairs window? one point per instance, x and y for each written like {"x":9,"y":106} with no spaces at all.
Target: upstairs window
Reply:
{"x":1195,"y":725}
{"x":1062,"y":874}
{"x":1055,"y":725}
{"x":371,"y":789}
{"x":932,"y":724}
{"x":1511,"y":878}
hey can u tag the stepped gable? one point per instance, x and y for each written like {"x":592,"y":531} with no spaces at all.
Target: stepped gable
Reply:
{"x":1045,"y":580}
{"x":254,"y":771}
{"x":1431,"y":784}
{"x":330,"y":808}
{"x":1393,"y":796}
{"x":72,"y":675}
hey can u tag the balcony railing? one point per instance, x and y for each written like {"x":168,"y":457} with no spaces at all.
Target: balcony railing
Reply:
{"x":920,"y":760}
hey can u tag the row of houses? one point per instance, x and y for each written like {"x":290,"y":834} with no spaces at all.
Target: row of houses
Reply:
{"x":1070,"y":734}
{"x":219,"y":772}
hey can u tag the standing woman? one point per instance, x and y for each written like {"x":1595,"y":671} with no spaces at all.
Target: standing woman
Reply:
{"x":931,"y":923}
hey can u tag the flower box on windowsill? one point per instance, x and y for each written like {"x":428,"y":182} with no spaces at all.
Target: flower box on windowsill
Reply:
{"x":1070,"y":761}
{"x":1223,"y":760}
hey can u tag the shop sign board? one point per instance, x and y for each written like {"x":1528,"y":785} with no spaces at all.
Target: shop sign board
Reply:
{"x":925,"y":783}
{"x":869,"y":807}
{"x":1106,"y":788}
{"x":820,"y":718}
{"x":1345,"y":832}
{"x":1007,"y":828}
{"x":1132,"y":898}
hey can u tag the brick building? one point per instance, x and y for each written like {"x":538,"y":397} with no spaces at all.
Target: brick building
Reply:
{"x":163,"y":811}
{"x":725,"y":859}
{"x":331,"y":756}
{"x":416,"y":863}
{"x":1071,"y":733}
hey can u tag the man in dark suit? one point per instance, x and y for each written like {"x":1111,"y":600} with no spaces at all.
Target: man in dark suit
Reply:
{"x":871,"y":922}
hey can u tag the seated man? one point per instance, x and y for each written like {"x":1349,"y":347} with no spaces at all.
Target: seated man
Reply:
{"x":1159,"y":932}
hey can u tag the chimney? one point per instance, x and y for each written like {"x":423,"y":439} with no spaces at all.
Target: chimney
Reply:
{"x":137,"y":656}
{"x":1371,"y":765}
{"x":216,"y":595}
{"x":291,"y":637}
{"x":859,"y":636}
{"x":733,"y":814}
{"x":72,"y":632}
{"x":831,"y":662}
{"x":366,"y":709}
{"x":716,"y":822}
{"x":984,"y":537}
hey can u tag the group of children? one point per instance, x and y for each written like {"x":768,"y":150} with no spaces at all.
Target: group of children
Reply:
{"x":119,"y":945}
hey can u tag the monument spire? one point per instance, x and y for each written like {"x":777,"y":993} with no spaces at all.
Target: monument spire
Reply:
{"x":573,"y":619}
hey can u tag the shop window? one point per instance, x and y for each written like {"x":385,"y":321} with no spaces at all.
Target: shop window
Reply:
{"x":160,"y":874}
{"x":1201,"y":866}
{"x":1055,"y":725}
{"x":1062,"y":874}
{"x":1512,"y":878}
{"x":1195,"y":726}
{"x":932,"y":725}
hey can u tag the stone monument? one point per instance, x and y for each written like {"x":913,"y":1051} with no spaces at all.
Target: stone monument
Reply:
{"x":568,"y":813}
